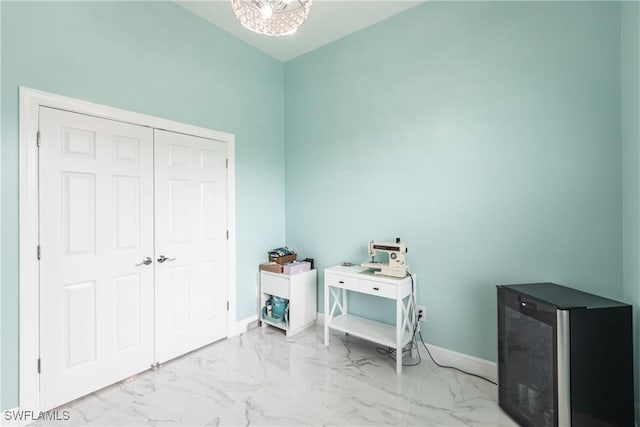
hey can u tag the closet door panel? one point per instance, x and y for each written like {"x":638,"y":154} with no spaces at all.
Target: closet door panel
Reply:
{"x":96,"y":226}
{"x":191,"y":242}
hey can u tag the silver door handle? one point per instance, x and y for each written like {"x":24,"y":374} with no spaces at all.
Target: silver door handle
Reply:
{"x":163,"y":258}
{"x":145,"y":261}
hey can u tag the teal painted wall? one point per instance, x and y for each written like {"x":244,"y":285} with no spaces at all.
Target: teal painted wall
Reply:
{"x":485,"y":134}
{"x":630,"y":84}
{"x":155,"y":58}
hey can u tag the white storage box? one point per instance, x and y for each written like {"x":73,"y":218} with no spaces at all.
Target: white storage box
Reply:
{"x":296,"y":267}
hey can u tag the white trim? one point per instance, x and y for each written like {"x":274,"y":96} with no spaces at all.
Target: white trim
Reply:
{"x":30,"y":101}
{"x":241,"y":326}
{"x":28,"y":392}
{"x":231,"y":226}
{"x":468,"y":363}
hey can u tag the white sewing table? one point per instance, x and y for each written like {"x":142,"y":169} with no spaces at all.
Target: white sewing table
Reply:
{"x":339,"y":280}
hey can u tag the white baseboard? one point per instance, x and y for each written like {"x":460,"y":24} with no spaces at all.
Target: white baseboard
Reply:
{"x":447,"y":357}
{"x":241,"y":326}
{"x":468,"y":363}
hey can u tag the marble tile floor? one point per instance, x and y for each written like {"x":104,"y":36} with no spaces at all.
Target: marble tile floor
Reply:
{"x":262,"y":378}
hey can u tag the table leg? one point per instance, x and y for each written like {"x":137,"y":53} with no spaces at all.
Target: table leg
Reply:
{"x":344,"y":301}
{"x":413,"y":322}
{"x":399,"y":328}
{"x":327,"y":315}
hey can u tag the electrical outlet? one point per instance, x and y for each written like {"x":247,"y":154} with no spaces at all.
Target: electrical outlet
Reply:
{"x":421,"y":313}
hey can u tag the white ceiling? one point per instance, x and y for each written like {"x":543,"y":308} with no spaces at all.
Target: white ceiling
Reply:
{"x":328,"y":20}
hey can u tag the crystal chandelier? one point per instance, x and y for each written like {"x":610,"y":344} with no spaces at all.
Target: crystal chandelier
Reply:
{"x":272,"y":17}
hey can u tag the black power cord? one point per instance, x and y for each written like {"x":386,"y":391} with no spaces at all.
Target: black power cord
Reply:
{"x":414,"y":344}
{"x":452,"y":367}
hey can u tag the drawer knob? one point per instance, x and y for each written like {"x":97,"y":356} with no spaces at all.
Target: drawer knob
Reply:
{"x":376,"y":289}
{"x":341,"y":282}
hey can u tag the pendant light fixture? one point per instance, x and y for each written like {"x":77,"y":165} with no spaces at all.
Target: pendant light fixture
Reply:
{"x":272,"y":17}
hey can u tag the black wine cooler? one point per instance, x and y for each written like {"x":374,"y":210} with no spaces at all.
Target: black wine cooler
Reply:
{"x":565,"y":357}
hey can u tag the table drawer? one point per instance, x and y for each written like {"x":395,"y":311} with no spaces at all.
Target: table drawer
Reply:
{"x":384,"y":290}
{"x":343,"y":282}
{"x":275,"y":285}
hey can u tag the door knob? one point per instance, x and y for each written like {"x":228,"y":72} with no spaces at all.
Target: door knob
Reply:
{"x":163,"y":258}
{"x":145,"y":261}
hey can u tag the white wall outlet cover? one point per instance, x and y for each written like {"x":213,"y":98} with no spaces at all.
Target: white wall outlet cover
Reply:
{"x":423,"y":309}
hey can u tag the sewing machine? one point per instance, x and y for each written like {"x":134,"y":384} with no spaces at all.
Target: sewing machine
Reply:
{"x":395,"y":266}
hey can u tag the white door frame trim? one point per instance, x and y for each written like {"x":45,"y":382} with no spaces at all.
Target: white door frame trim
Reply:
{"x":30,"y":101}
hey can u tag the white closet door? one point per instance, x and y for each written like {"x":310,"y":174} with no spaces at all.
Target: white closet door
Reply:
{"x":191,"y":227}
{"x":96,"y":227}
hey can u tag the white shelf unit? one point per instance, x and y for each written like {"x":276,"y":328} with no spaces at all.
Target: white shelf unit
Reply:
{"x":339,"y":280}
{"x":299,"y":289}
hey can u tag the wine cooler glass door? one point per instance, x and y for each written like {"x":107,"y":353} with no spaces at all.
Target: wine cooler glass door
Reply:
{"x":527,"y":359}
